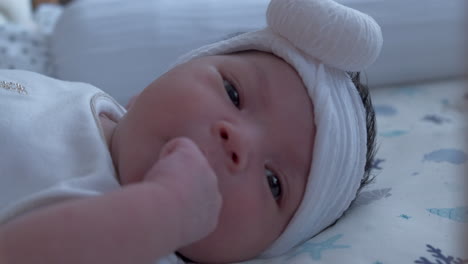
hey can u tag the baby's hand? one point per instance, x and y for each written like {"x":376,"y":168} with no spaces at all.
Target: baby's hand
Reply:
{"x":183,"y":170}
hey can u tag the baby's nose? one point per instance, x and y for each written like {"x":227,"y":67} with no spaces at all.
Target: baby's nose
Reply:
{"x":234,"y":144}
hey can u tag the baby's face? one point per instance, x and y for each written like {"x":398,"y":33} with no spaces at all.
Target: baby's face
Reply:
{"x":260,"y":151}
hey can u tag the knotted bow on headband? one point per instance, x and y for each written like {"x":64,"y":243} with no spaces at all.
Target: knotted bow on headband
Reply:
{"x":322,"y":40}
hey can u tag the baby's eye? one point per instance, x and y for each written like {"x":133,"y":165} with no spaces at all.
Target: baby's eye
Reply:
{"x":274,"y":183}
{"x":232,"y":93}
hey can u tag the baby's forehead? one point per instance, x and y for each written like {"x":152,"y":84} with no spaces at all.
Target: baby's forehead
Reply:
{"x":270,"y":60}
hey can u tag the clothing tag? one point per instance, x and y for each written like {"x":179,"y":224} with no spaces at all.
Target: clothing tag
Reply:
{"x":13,"y":87}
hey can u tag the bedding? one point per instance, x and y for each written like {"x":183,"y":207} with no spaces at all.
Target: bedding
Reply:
{"x":25,"y":47}
{"x":149,"y":35}
{"x":95,"y":41}
{"x":22,"y":49}
{"x":415,"y":211}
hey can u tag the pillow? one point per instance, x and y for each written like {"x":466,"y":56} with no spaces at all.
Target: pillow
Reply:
{"x":422,"y":41}
{"x":121,"y":46}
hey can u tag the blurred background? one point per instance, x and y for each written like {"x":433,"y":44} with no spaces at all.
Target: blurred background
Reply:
{"x":423,"y":39}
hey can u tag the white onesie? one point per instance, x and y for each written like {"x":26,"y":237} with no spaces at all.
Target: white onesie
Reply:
{"x":52,"y":146}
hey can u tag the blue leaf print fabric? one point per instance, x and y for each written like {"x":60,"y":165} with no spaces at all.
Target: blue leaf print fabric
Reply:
{"x":459,"y":214}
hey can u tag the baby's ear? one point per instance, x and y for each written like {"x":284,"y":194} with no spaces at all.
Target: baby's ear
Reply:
{"x":132,"y":101}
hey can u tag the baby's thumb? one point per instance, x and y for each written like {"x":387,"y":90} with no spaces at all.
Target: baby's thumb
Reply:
{"x":176,"y":144}
{"x":168,"y":148}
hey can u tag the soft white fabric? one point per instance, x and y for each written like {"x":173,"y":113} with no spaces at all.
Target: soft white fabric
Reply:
{"x":28,"y":49}
{"x":337,"y":35}
{"x":339,"y":153}
{"x":17,"y":11}
{"x":52,"y":145}
{"x":46,"y":16}
{"x":24,"y":49}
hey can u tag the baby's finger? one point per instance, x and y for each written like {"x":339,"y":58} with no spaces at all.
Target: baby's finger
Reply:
{"x":181,"y":144}
{"x":168,"y":148}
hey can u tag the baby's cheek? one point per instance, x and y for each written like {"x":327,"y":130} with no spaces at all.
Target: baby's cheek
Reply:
{"x":244,"y":208}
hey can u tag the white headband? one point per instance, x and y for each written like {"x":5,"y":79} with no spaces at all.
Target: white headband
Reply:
{"x":321,"y":40}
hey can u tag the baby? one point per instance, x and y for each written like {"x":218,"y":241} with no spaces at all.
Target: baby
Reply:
{"x":245,"y":149}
